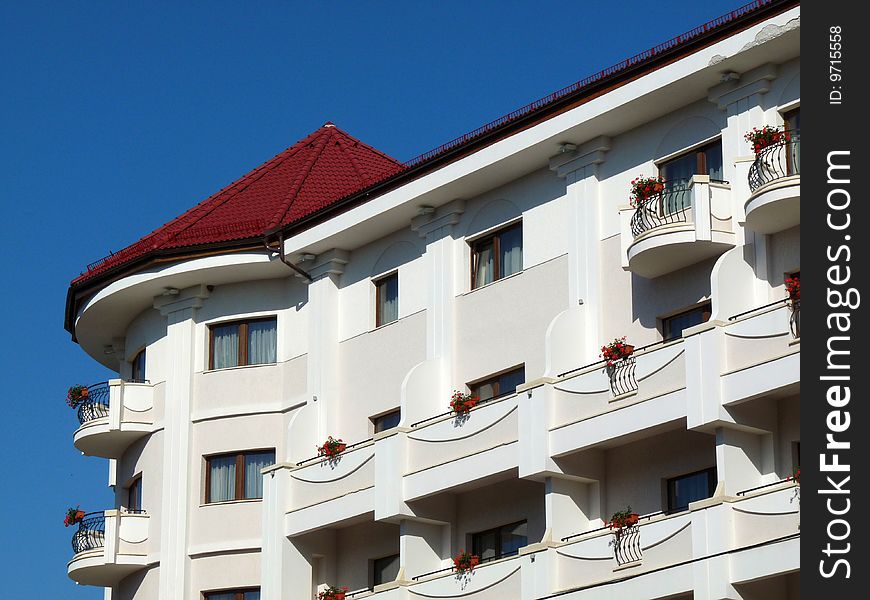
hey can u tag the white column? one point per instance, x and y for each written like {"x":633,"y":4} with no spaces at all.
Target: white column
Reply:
{"x":180,"y":311}
{"x":285,"y":571}
{"x":437,"y":227}
{"x":741,"y":99}
{"x":323,"y":320}
{"x":580,"y":169}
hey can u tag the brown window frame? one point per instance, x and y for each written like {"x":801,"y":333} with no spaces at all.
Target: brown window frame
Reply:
{"x":379,"y":284}
{"x":243,"y":339}
{"x":706,"y":307}
{"x":494,"y":380}
{"x":495,"y":238}
{"x":239,"y":592}
{"x":240,"y":469}
{"x":700,"y":152}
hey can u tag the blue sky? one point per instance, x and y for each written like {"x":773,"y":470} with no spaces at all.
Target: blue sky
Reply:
{"x":117,"y":116}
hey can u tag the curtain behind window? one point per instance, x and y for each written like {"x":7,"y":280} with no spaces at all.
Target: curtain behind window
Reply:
{"x":389,"y":297}
{"x":262,"y":342}
{"x":689,"y":489}
{"x":254,"y":462}
{"x":222,"y":479}
{"x":226,"y":346}
{"x":252,"y":595}
{"x":511,"y":245}
{"x":223,"y":596}
{"x":483,"y":272}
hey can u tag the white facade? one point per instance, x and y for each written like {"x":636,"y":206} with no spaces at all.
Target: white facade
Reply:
{"x":565,"y":451}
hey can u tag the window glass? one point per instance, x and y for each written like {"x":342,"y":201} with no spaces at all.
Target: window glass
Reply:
{"x":262,"y":342}
{"x":134,"y":495}
{"x":500,"y":385}
{"x":222,"y":478}
{"x":385,"y":569}
{"x":706,"y":160}
{"x":387,"y":421}
{"x":673,"y":326}
{"x":497,"y":255}
{"x":501,"y":541}
{"x":253,"y":342}
{"x":387,"y":299}
{"x":254,"y":463}
{"x":225,"y":349}
{"x":138,"y":367}
{"x":690,"y":488}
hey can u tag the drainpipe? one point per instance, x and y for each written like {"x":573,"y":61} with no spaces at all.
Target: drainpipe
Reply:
{"x":281,"y":255}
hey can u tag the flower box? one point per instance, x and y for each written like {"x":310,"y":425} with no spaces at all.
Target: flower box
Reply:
{"x":462,"y":403}
{"x":793,"y":288}
{"x":73,"y":516}
{"x":331,"y":447}
{"x":644,"y":188}
{"x":76,"y":395}
{"x":465,"y":562}
{"x":332,"y":593}
{"x":616,"y":350}
{"x":765,"y":137}
{"x":624,"y":518}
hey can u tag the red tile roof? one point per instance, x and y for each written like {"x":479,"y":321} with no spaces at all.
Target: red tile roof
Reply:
{"x":318,"y":170}
{"x":329,"y":166}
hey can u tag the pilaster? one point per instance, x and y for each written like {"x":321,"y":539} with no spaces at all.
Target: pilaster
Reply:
{"x":179,"y":308}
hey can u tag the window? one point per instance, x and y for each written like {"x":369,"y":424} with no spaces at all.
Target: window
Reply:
{"x":134,"y":495}
{"x":704,"y":160}
{"x":385,"y":569}
{"x":387,"y":302}
{"x":252,"y":342}
{"x":499,"y":542}
{"x":236,"y":476}
{"x":387,"y":420}
{"x":793,"y":150}
{"x":500,"y":385}
{"x":137,"y":367}
{"x":497,"y":255}
{"x":248,"y":594}
{"x":673,"y":326}
{"x":688,"y":488}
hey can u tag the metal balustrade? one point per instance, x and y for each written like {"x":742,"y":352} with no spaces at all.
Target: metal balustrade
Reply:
{"x":626,"y":545}
{"x":622,"y":379}
{"x":96,"y":405}
{"x":91,"y":533}
{"x":794,"y":319}
{"x":776,"y":162}
{"x":665,"y":208}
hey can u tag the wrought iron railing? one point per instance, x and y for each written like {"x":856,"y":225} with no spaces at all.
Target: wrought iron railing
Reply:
{"x":96,"y":405}
{"x":626,"y":544}
{"x":777,"y":161}
{"x":665,"y":208}
{"x":91,"y":533}
{"x":622,"y":379}
{"x":794,"y":320}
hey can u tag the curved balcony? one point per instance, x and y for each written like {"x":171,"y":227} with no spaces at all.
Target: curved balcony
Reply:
{"x":108,"y":546}
{"x":775,"y":181}
{"x":685,"y":224}
{"x":114,"y":415}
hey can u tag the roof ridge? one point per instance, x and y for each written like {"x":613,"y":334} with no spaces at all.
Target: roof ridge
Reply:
{"x":323,"y":139}
{"x":224,"y":195}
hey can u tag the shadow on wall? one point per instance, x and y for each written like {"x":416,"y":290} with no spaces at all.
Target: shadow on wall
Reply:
{"x":670,"y":293}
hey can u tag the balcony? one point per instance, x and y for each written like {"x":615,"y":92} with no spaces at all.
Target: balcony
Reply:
{"x":762,"y":352}
{"x":330,"y":491}
{"x":775,"y":182}
{"x":113,"y":416}
{"x":108,"y":546}
{"x":685,"y":224}
{"x":595,"y":404}
{"x":450,"y":450}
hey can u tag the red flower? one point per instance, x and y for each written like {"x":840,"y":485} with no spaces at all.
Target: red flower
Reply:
{"x":465,"y":562}
{"x":462,"y":403}
{"x":331,"y":447}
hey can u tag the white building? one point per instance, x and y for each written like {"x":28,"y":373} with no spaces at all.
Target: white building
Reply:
{"x":335,"y":292}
